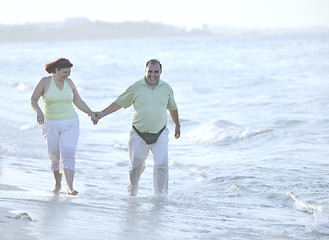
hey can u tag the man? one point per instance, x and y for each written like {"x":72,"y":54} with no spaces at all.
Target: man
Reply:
{"x":150,"y":97}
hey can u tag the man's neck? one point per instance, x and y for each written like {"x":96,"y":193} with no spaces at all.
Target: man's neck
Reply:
{"x":151,"y":85}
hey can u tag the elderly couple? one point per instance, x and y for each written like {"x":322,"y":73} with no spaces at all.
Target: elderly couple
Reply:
{"x":150,"y":97}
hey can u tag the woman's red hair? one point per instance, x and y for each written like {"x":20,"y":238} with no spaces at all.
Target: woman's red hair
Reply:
{"x":58,"y":64}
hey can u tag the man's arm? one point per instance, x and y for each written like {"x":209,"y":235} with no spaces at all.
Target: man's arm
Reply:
{"x":113,"y":107}
{"x":175,"y":118}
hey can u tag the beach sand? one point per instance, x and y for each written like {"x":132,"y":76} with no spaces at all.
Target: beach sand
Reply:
{"x":13,"y":224}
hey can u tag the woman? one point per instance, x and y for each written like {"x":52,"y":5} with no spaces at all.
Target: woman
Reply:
{"x":60,"y":122}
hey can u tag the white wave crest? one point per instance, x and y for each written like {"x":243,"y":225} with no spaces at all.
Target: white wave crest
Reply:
{"x":319,"y":213}
{"x":28,"y":126}
{"x":305,"y":207}
{"x":22,"y":86}
{"x":222,"y":132}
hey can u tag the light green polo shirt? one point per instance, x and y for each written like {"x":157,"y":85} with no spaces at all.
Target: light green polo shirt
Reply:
{"x":150,"y":105}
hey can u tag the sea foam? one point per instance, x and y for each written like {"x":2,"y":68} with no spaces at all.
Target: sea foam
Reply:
{"x":222,"y":132}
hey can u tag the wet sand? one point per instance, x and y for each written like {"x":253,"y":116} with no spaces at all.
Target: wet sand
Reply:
{"x":13,"y":222}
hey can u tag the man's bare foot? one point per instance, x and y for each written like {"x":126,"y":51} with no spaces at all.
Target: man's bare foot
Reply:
{"x":73,"y":192}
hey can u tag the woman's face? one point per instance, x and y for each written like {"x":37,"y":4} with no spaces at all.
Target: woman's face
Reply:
{"x":63,"y":73}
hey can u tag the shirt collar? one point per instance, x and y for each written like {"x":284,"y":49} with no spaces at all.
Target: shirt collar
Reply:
{"x":144,"y":82}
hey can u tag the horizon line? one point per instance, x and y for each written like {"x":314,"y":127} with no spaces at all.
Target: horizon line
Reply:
{"x":86,"y":19}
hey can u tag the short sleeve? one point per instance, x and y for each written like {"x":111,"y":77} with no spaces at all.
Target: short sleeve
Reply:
{"x":125,"y":100}
{"x":171,"y":101}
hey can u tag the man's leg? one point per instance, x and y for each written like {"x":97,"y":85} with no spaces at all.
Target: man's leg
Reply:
{"x":138,"y":152}
{"x":160,"y":167}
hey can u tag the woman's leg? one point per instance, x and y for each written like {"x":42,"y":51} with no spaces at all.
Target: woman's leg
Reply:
{"x":58,"y":180}
{"x":69,"y":176}
{"x":51,"y":135}
{"x":68,"y":144}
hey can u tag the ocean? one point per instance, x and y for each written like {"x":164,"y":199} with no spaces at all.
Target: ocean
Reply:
{"x":251,"y":162}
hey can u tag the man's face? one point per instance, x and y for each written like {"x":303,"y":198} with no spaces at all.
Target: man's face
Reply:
{"x":152,"y":74}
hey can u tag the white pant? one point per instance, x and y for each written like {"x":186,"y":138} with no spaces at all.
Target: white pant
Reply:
{"x":138,"y":152}
{"x":62,"y":140}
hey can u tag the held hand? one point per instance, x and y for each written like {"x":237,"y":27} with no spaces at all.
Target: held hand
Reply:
{"x":94,"y":118}
{"x":99,"y":115}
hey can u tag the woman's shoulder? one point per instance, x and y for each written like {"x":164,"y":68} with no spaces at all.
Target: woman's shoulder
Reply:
{"x":69,"y":81}
{"x":45,"y":80}
{"x":43,"y":84}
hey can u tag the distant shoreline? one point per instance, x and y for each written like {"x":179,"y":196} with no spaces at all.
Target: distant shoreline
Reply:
{"x":84,"y":29}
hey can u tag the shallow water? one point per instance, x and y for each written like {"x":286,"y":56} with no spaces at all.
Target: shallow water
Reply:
{"x":252,"y":161}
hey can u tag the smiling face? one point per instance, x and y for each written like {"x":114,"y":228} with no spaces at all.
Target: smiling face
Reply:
{"x":152,"y":74}
{"x":63,"y":73}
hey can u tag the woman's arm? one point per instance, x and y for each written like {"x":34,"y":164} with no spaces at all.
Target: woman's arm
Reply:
{"x":80,"y":104}
{"x":77,"y":100}
{"x":37,"y":93}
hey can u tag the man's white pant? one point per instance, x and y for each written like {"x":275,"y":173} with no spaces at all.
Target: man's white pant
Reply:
{"x":62,"y":140}
{"x":138,"y":152}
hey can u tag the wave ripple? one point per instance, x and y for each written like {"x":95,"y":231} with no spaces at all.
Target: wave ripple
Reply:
{"x":223,"y":132}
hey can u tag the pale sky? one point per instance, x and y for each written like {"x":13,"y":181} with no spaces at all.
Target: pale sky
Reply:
{"x":184,"y":13}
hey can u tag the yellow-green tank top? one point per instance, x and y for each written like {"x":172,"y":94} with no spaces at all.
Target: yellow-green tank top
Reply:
{"x":58,"y":103}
